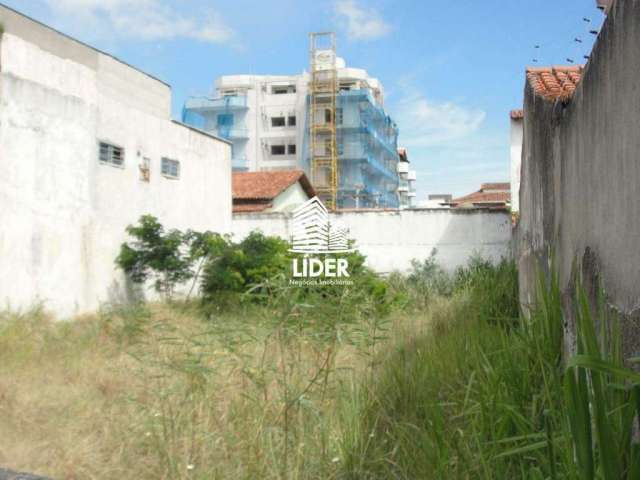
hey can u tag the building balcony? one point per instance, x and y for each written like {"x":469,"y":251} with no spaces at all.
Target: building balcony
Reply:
{"x":206,"y":104}
{"x":411,"y":194}
{"x":232,"y":133}
{"x":411,"y":175}
{"x":403,"y":167}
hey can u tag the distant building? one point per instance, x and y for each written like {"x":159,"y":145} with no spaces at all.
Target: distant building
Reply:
{"x":266,"y":118}
{"x":88,"y":146}
{"x":436,"y":200}
{"x":264,"y":192}
{"x":406,"y":180}
{"x":490,"y":195}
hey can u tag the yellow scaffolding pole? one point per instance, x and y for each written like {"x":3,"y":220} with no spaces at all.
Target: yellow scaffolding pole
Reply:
{"x":323,"y":91}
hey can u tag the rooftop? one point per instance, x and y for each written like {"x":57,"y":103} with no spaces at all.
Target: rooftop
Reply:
{"x":516,"y":114}
{"x":554,"y":83}
{"x":496,"y":195}
{"x":255,"y":191}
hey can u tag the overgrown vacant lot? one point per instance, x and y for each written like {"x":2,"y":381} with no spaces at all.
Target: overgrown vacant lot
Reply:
{"x":420,"y":376}
{"x":163,"y":391}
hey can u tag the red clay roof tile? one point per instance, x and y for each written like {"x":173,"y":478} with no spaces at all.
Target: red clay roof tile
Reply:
{"x":554,"y":83}
{"x":516,"y":114}
{"x":496,"y":194}
{"x":267,"y":185}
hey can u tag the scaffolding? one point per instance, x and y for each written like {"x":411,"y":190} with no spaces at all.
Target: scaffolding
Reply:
{"x":323,"y":141}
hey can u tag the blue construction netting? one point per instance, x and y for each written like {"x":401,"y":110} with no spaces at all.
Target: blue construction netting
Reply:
{"x":367,"y":144}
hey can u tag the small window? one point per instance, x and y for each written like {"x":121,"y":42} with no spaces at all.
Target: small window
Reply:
{"x":283,"y":89}
{"x":170,"y":168}
{"x":111,"y":154}
{"x":291,"y":149}
{"x":291,"y":120}
{"x":277,"y":149}
{"x":339,"y":116}
{"x":277,"y":121}
{"x":327,"y":116}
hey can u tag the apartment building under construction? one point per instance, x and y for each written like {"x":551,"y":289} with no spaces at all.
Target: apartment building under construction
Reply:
{"x":329,"y":121}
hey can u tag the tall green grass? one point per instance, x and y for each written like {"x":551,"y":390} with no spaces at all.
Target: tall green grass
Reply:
{"x":485,"y":394}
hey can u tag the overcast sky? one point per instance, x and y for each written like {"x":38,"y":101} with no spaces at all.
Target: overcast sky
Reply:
{"x":451,"y":69}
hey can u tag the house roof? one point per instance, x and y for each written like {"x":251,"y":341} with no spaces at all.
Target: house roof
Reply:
{"x":255,"y":206}
{"x":554,"y":83}
{"x":495,"y":186}
{"x":516,"y":114}
{"x":402,"y":152}
{"x":267,"y":185}
{"x":490,"y":194}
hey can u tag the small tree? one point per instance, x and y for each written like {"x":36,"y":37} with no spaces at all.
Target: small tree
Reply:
{"x":204,"y":247}
{"x":156,"y":254}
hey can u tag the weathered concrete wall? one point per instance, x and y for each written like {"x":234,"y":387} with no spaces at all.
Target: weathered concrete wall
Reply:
{"x":391,"y":239}
{"x":64,"y":212}
{"x":580,"y":184}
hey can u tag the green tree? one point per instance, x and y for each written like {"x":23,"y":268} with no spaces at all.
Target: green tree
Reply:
{"x":157,"y":255}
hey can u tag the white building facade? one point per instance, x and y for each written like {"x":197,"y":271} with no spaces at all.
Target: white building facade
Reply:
{"x":266,"y":119}
{"x":88,"y":146}
{"x":407,"y":181}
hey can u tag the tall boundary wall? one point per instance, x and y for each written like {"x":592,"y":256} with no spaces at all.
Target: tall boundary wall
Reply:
{"x":391,"y":239}
{"x":580,"y":183}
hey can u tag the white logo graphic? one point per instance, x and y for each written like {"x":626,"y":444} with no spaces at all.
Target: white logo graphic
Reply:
{"x":312,"y":232}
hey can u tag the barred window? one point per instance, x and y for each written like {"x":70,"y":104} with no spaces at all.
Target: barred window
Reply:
{"x":170,"y":168}
{"x":111,"y":154}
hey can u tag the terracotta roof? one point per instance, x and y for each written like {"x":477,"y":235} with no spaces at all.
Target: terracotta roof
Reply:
{"x":516,"y":114}
{"x":554,"y":83}
{"x":402,"y":152}
{"x":484,"y":198}
{"x":267,"y":185}
{"x":495,"y":186}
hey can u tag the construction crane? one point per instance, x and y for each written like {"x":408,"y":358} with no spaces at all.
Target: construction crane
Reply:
{"x":323,"y":91}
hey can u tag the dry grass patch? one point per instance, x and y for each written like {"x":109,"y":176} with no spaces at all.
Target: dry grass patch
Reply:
{"x":161,"y":392}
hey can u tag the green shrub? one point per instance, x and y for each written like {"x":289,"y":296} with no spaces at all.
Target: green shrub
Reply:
{"x":245,"y":264}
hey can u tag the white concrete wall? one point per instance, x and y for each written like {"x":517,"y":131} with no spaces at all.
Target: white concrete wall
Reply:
{"x":516,"y":161}
{"x":391,"y":239}
{"x":64,"y":213}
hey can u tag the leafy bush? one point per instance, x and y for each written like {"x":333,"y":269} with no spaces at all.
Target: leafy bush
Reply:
{"x":242,"y":265}
{"x":166,"y":257}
